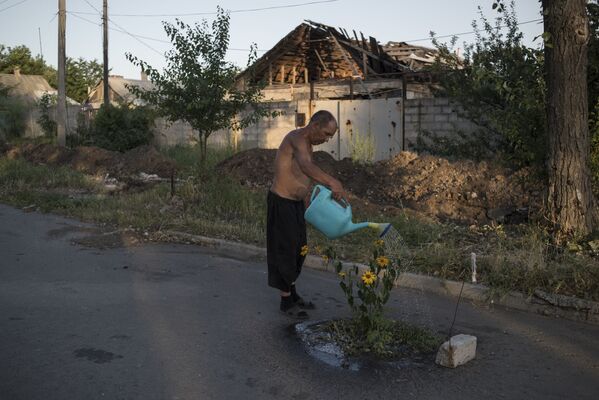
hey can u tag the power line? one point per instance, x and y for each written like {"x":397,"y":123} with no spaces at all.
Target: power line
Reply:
{"x":213,"y":13}
{"x":142,"y":36}
{"x":471,"y":32}
{"x":123,"y":30}
{"x":54,"y":17}
{"x":14,"y":5}
{"x":92,"y":6}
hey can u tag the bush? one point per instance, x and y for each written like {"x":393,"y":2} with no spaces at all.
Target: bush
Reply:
{"x":13,"y":114}
{"x":83,"y":132}
{"x":121,"y":128}
{"x":362,"y":148}
{"x":500,"y":86}
{"x":48,"y":125}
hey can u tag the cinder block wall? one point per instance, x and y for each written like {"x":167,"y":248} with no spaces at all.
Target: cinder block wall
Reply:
{"x":439,"y":116}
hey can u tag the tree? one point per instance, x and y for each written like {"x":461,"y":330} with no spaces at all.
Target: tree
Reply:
{"x":500,"y":85}
{"x":198,"y":86}
{"x":81,"y":74}
{"x":20,"y":56}
{"x":571,"y":206}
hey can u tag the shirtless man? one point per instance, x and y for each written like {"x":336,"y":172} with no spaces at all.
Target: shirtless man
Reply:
{"x":286,"y":227}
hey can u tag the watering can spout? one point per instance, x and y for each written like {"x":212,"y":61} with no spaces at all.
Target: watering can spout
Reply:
{"x":351,"y":227}
{"x":382,"y":228}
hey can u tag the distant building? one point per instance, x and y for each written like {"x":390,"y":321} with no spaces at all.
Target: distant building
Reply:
{"x":30,"y":89}
{"x":118,"y":91}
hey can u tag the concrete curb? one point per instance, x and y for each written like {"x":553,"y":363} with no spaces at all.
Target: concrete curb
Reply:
{"x":559,"y":306}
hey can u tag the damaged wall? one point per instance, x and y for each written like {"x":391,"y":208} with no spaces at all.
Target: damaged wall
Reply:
{"x":359,"y":120}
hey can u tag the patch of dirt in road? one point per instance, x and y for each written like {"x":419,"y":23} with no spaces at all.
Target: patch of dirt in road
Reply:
{"x":110,"y":240}
{"x":67,"y":229}
{"x":460,"y":191}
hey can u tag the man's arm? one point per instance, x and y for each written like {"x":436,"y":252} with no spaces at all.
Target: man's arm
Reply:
{"x":302,"y":154}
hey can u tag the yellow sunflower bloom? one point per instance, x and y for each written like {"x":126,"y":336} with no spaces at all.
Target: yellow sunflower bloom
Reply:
{"x":379,"y":243}
{"x":304,"y":250}
{"x":341,"y":274}
{"x":368,"y":278}
{"x":382,"y":261}
{"x":325,"y":258}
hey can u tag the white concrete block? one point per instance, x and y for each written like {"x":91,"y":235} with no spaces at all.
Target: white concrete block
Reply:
{"x":458,"y":350}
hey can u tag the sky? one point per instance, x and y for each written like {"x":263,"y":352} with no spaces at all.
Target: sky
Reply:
{"x":23,"y":22}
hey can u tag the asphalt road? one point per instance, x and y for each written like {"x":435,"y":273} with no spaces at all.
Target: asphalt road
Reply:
{"x":84,"y":316}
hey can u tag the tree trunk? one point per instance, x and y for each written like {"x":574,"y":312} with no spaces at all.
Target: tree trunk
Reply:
{"x":202,"y":149}
{"x":570,"y":202}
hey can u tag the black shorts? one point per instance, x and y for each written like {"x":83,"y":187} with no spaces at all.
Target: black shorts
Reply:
{"x":285,"y":237}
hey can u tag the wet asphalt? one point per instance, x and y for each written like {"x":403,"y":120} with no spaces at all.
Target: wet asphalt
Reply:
{"x":82,"y":317}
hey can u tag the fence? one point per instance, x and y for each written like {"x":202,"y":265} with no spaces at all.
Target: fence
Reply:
{"x":375,"y":123}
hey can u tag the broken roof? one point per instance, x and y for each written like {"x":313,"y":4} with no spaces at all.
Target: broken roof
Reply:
{"x":314,"y":51}
{"x":416,"y":57}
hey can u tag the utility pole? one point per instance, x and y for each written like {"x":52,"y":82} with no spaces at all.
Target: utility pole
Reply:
{"x":105,"y":27}
{"x":61,"y":114}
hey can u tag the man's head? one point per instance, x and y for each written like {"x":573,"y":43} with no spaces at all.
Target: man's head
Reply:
{"x":322,"y":127}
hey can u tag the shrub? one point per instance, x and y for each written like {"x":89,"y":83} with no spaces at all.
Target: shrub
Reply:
{"x":47,"y":124}
{"x":13,"y":114}
{"x":121,"y":128}
{"x":362,"y":148}
{"x":501,"y":88}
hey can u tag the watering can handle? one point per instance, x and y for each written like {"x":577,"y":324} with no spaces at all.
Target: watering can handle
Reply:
{"x":315,"y":191}
{"x":318,"y":188}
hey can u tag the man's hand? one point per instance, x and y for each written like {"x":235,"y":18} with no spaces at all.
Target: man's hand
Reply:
{"x":338,"y":190}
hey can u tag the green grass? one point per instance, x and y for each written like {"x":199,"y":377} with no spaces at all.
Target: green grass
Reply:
{"x":514,"y":258}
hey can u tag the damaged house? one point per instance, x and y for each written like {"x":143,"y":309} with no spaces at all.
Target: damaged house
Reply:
{"x":381,"y":95}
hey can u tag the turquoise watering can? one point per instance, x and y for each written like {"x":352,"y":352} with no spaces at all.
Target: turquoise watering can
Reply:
{"x":333,"y":219}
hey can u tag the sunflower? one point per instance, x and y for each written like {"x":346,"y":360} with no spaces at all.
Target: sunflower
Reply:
{"x":341,"y":274}
{"x":379,"y":243}
{"x":304,"y":250}
{"x":382,"y":261}
{"x":368,"y":278}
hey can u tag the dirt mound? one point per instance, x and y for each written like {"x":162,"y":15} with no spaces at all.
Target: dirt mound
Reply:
{"x":461,"y":191}
{"x":94,"y":160}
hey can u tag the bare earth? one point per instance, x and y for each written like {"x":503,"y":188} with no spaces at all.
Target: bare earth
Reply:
{"x":460,"y":191}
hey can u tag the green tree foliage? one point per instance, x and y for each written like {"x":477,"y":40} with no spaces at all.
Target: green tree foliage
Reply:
{"x":121,"y":128}
{"x":20,"y":56}
{"x":80,"y":73}
{"x":198,"y":85}
{"x":500,"y":85}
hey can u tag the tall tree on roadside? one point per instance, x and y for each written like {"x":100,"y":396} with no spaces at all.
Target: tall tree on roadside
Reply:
{"x":571,"y":206}
{"x":198,"y":85}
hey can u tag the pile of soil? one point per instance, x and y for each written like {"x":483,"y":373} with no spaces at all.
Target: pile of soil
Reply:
{"x":460,"y":191}
{"x":94,"y":160}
